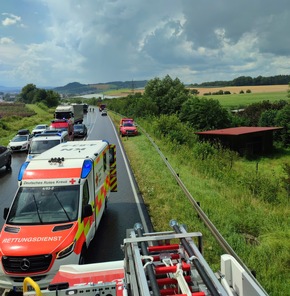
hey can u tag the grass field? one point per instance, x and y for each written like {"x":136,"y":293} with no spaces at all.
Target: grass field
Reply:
{"x":255,"y":228}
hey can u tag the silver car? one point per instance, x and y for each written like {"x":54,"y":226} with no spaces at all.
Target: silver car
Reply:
{"x":39,"y":129}
{"x":20,"y":143}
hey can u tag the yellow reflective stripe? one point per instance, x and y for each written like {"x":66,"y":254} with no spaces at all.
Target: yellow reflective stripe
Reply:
{"x":80,"y":229}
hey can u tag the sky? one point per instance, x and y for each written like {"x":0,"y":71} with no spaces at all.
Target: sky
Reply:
{"x":56,"y":42}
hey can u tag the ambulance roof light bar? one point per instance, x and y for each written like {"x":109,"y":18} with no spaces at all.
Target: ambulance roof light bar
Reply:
{"x":56,"y":160}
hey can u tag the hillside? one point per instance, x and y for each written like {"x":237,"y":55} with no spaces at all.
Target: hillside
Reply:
{"x":82,"y":89}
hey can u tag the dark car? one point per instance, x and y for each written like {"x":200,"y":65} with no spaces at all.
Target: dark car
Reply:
{"x":5,"y":157}
{"x":80,"y":130}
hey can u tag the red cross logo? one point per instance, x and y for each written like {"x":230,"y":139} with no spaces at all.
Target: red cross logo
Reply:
{"x":72,"y":181}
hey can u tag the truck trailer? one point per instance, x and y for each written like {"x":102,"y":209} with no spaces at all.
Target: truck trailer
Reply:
{"x":74,"y":113}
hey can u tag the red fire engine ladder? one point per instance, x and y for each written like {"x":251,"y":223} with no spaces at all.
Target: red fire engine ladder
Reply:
{"x":155,"y":266}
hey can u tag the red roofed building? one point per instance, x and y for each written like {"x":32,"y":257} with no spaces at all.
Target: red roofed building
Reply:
{"x":244,"y":140}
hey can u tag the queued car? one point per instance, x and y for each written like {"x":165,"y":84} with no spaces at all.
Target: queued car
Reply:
{"x":104,"y":112}
{"x":128,"y":127}
{"x":21,"y":141}
{"x":39,"y":129}
{"x":80,"y":130}
{"x":23,"y":132}
{"x":5,"y":157}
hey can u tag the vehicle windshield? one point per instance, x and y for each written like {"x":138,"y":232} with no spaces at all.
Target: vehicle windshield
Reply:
{"x":40,"y":127}
{"x":128,"y":124}
{"x":37,"y":147}
{"x":20,"y":138}
{"x":44,"y":205}
{"x":78,"y":127}
{"x":63,"y":115}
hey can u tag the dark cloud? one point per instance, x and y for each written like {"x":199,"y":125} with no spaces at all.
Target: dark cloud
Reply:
{"x":99,"y":41}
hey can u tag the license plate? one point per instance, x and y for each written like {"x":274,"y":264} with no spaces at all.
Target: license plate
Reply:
{"x":20,"y":288}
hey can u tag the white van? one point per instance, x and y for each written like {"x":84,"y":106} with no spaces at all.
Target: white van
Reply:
{"x":56,"y":211}
{"x":44,"y":141}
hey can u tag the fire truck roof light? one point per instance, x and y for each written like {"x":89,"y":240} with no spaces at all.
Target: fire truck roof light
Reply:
{"x":22,"y":169}
{"x":87,"y":167}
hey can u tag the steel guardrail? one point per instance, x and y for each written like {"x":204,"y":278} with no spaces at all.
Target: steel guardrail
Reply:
{"x":219,"y":238}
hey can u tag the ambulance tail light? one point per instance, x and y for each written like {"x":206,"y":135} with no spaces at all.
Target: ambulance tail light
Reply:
{"x":65,"y":252}
{"x":22,"y":170}
{"x":86,"y":169}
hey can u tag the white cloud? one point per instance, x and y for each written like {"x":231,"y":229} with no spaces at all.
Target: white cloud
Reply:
{"x":100,"y":40}
{"x":6,"y":40}
{"x":10,"y":19}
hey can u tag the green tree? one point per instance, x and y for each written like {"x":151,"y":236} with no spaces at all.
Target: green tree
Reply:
{"x":283,"y":120}
{"x":39,"y":95}
{"x":167,"y":94}
{"x":30,"y":94}
{"x":144,"y":107}
{"x":52,"y":98}
{"x":27,"y":93}
{"x":194,"y":91}
{"x":253,"y":112}
{"x":268,"y":118}
{"x":204,"y":114}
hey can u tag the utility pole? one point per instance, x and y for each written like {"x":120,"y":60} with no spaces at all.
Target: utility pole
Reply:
{"x":133,"y":88}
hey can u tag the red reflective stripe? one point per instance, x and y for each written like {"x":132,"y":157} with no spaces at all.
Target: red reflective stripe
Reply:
{"x":163,"y":248}
{"x":52,"y":174}
{"x":171,"y":268}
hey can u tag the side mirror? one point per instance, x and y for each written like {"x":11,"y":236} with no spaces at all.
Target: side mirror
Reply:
{"x":5,"y":213}
{"x":87,"y":211}
{"x":111,"y":155}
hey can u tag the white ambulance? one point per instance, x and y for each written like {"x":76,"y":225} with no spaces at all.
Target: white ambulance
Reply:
{"x":44,"y":141}
{"x":55,"y":213}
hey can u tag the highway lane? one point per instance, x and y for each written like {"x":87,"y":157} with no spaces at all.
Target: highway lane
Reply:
{"x":124,"y":207}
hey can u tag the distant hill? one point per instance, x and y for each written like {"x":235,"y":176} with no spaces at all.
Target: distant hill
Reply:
{"x":76,"y":88}
{"x":83,"y":89}
{"x":7,"y":89}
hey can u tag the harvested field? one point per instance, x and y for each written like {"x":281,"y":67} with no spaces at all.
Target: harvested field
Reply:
{"x":232,"y":89}
{"x":237,"y":89}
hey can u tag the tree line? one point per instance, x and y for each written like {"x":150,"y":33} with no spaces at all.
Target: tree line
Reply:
{"x":248,"y":81}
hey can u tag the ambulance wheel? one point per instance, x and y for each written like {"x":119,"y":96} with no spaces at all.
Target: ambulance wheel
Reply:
{"x":82,"y":259}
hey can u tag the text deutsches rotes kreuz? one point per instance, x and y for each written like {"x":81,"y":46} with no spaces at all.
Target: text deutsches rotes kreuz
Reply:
{"x":48,"y":182}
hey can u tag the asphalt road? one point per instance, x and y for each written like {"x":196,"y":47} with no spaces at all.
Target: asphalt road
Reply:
{"x":125,"y":207}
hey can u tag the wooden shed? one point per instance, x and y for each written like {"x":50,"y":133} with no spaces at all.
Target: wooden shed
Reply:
{"x":244,"y":140}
